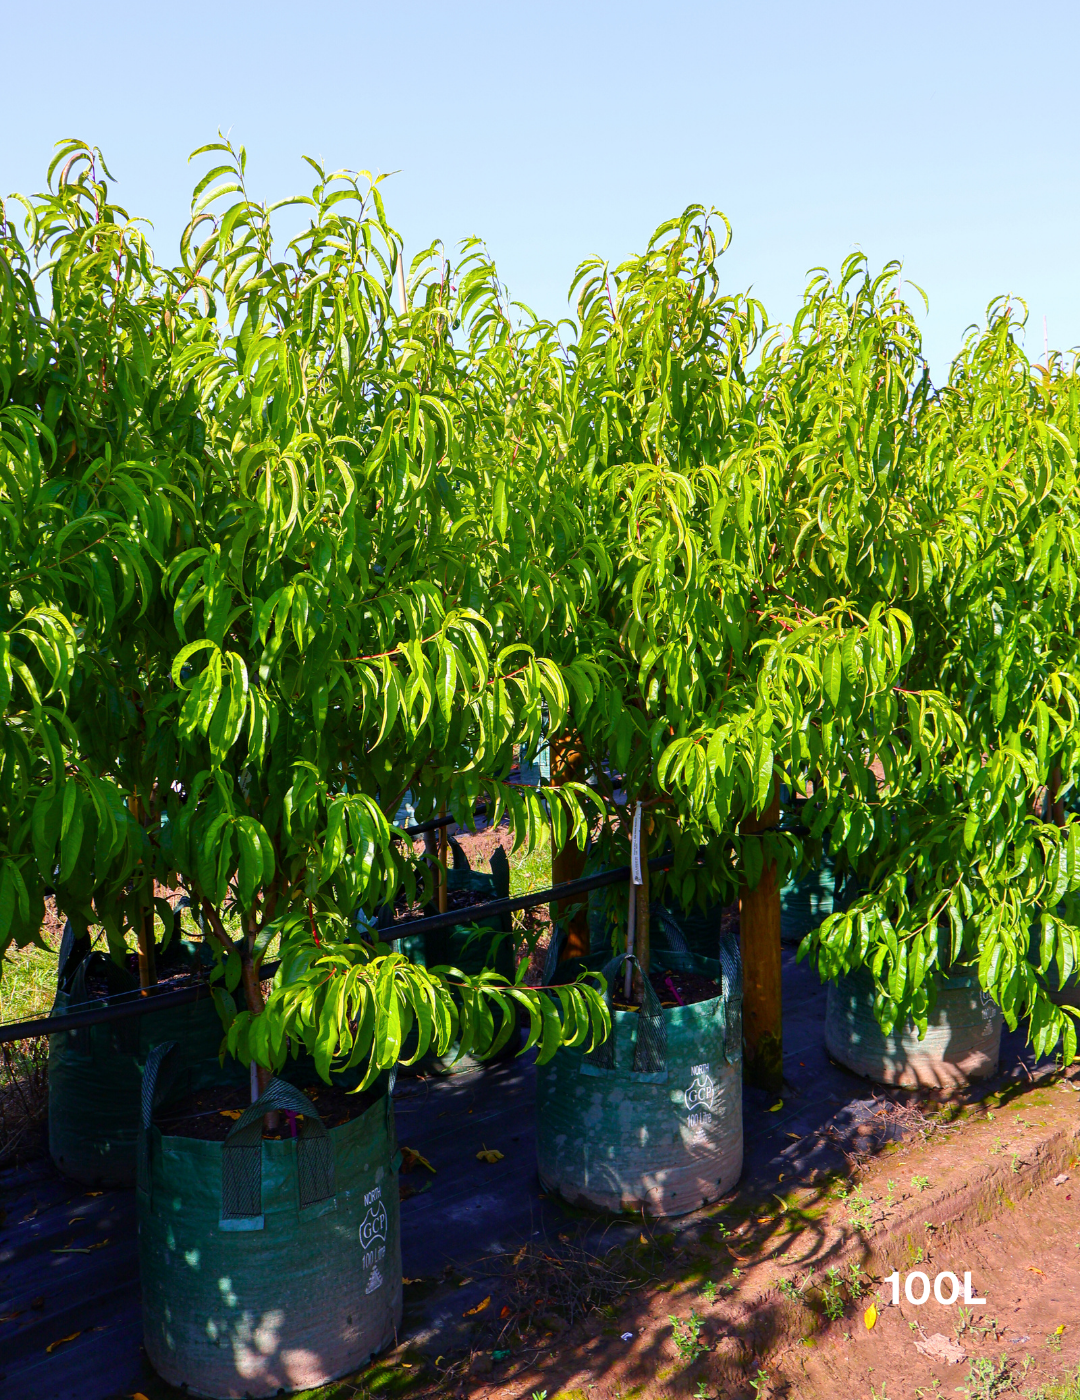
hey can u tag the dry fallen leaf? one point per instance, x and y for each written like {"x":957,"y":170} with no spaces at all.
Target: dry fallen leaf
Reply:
{"x":870,"y":1316}
{"x":233,"y":1113}
{"x":11,"y":1316}
{"x":61,"y":1340}
{"x":505,"y":1311}
{"x":1034,"y":1270}
{"x":777,"y":1106}
{"x":1058,"y":1330}
{"x":489,"y":1155}
{"x":95,"y":1193}
{"x":940,"y":1348}
{"x":412,"y":1158}
{"x":88,"y":1249}
{"x":471,"y":1312}
{"x":520,"y":1255}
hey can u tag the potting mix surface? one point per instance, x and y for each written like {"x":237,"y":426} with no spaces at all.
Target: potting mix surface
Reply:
{"x":211,"y":1113}
{"x":673,"y":989}
{"x":70,"y":1324}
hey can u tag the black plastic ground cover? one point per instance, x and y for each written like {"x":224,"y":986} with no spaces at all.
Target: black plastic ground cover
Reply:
{"x":68,"y":1265}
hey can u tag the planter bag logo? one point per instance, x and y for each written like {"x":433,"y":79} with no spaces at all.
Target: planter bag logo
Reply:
{"x":700,"y":1098}
{"x":374,"y":1225}
{"x":373,"y":1230}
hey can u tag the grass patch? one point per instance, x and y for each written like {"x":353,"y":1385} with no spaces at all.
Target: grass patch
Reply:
{"x":1067,"y":1388}
{"x":28,"y":978}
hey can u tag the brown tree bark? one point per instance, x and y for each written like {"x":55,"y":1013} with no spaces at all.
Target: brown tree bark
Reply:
{"x":759,"y":941}
{"x":567,"y":862}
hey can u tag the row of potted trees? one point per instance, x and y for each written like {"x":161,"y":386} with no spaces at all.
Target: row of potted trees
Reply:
{"x":287,"y":536}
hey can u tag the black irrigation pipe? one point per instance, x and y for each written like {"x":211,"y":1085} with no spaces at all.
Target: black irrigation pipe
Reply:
{"x":525,"y":901}
{"x":111,"y":1011}
{"x":159,"y":1001}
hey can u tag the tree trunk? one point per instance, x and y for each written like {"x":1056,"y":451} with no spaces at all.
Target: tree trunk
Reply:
{"x":253,"y":998}
{"x":144,"y":928}
{"x":568,"y":862}
{"x":444,"y":888}
{"x":642,"y":942}
{"x":759,"y":941}
{"x":147,"y":950}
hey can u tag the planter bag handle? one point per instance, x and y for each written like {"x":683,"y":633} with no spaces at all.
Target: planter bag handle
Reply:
{"x":551,"y":961}
{"x":67,"y":947}
{"x":731,"y":980}
{"x":241,"y":1158}
{"x":79,"y":1039}
{"x":663,"y":918}
{"x":152,"y":1091}
{"x":650,"y":1046}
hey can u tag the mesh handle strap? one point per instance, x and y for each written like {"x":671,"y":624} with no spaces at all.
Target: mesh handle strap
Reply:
{"x":664,"y":919}
{"x":551,"y":960}
{"x":152,"y":1091}
{"x":241,"y":1155}
{"x":731,"y":973}
{"x":650,"y":1046}
{"x":67,"y":944}
{"x":79,"y":1039}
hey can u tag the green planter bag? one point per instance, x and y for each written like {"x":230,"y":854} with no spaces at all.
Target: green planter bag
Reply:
{"x":652,"y":1119}
{"x":962,"y":1041}
{"x":95,"y":1074}
{"x":268,"y":1266}
{"x":804,"y":903}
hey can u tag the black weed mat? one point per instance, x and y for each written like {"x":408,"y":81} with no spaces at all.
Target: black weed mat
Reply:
{"x":70,"y":1325}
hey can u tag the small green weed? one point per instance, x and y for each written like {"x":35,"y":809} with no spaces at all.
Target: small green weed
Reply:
{"x":859,"y":1206}
{"x":832,"y":1296}
{"x":856,"y":1286}
{"x":920,"y":1183}
{"x":987,"y":1379}
{"x":794,"y":1292}
{"x":708,"y":1292}
{"x":1068,"y":1388}
{"x":686,"y":1335}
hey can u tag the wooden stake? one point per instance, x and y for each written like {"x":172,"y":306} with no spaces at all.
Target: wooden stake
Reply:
{"x":759,"y":940}
{"x":144,"y":927}
{"x":567,"y":862}
{"x":147,"y":949}
{"x":443,"y":882}
{"x":631,"y":919}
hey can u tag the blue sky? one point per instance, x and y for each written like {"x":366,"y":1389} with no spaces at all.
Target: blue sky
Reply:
{"x":942,"y":134}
